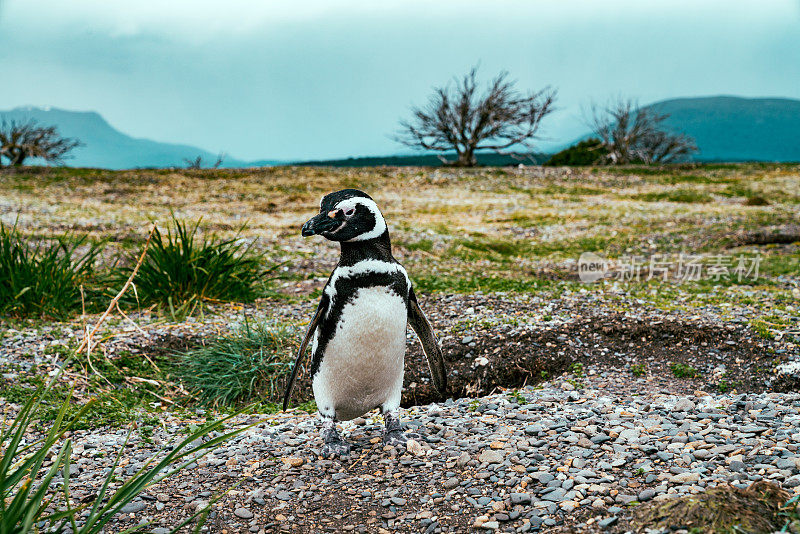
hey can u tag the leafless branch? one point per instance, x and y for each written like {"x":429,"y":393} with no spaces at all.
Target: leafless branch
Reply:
{"x":634,"y":134}
{"x":457,"y":118}
{"x":26,"y":139}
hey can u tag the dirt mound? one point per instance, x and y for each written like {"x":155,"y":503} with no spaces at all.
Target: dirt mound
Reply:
{"x":478,"y":365}
{"x":486,"y":359}
{"x":724,"y":357}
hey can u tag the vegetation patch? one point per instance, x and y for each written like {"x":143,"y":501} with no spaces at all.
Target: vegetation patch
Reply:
{"x":759,"y":509}
{"x":689,"y":196}
{"x":638,"y":369}
{"x":682,"y":370}
{"x":119,"y":389}
{"x":45,"y":279}
{"x":181,"y":270}
{"x":32,"y":499}
{"x":250,"y":364}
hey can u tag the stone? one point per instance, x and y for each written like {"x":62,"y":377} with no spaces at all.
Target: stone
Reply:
{"x":557,"y":495}
{"x":243,"y":513}
{"x":520,"y":498}
{"x":608,"y":522}
{"x":414,"y":447}
{"x":491,"y":457}
{"x":737,"y":466}
{"x":451,"y":483}
{"x":792,"y":482}
{"x":133,"y":507}
{"x":646,"y":495}
{"x":684,"y":478}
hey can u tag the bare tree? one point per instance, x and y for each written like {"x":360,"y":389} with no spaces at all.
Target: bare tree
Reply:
{"x":22,"y":140}
{"x":634,"y":134}
{"x":197,"y":163}
{"x":457,"y":118}
{"x":194,"y":164}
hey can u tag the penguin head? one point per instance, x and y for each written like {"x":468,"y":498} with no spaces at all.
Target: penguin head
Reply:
{"x":346,"y":215}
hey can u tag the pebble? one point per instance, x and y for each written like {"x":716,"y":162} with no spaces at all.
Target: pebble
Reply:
{"x":520,"y":464}
{"x":491,"y":457}
{"x":243,"y":513}
{"x":133,"y":507}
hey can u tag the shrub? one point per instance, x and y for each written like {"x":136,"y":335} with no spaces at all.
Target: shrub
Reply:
{"x":44,"y":279}
{"x":586,"y":152}
{"x":676,"y":195}
{"x":252,"y":363}
{"x":182,"y":271}
{"x":756,"y":201}
{"x":25,"y":497}
{"x":682,"y":370}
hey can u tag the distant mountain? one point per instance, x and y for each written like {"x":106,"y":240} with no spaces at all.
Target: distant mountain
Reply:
{"x":727,"y":128}
{"x":106,"y":147}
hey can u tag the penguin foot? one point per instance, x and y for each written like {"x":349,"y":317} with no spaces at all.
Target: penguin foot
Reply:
{"x":335,"y":448}
{"x":396,"y":438}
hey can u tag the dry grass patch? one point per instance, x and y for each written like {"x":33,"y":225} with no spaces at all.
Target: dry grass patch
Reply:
{"x":719,"y":510}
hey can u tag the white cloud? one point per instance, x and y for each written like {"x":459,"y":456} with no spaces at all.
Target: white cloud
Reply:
{"x":202,"y":20}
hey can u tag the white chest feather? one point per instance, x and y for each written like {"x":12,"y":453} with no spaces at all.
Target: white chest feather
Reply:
{"x":362,"y":367}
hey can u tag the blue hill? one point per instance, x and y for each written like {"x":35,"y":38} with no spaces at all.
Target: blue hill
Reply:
{"x":106,"y":147}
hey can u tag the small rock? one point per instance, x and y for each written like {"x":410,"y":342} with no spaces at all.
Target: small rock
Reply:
{"x":684,"y":478}
{"x":520,"y":498}
{"x":294,"y":462}
{"x":451,"y":483}
{"x":243,"y":513}
{"x":646,"y":495}
{"x":414,"y":447}
{"x":133,"y":507}
{"x":491,"y":457}
{"x":608,"y":522}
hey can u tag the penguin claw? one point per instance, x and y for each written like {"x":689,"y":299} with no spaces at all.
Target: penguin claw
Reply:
{"x":335,"y":448}
{"x":397,"y":438}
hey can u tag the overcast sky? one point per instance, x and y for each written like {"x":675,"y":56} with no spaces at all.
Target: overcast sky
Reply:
{"x":320,"y":79}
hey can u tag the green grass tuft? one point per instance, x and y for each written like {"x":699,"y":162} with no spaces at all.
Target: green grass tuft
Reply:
{"x":688,"y":196}
{"x":251,"y":364}
{"x":33,"y":500}
{"x":44,"y":279}
{"x":181,"y":271}
{"x":682,"y":370}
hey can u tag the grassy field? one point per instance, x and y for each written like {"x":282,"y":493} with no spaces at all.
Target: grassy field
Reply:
{"x":494,"y":254}
{"x":486,"y":229}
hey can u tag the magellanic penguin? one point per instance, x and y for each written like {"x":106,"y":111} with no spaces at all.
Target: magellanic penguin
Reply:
{"x":359,"y":328}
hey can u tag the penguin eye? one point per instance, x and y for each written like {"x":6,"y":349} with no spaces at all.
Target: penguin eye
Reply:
{"x":349,"y":212}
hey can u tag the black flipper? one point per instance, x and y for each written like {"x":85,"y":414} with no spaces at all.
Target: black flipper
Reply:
{"x":427,"y":338}
{"x":298,"y":360}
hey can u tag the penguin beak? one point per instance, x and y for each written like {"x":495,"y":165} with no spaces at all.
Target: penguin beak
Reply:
{"x":320,"y":224}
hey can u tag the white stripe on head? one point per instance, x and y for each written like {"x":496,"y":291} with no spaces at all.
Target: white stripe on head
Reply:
{"x":380,"y":222}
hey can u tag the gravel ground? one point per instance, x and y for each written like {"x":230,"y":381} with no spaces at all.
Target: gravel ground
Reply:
{"x":525,"y":462}
{"x":567,"y":453}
